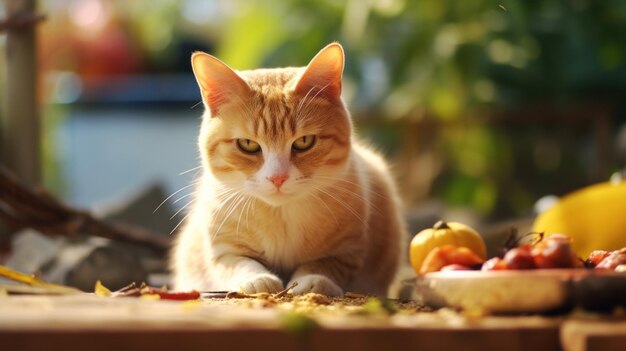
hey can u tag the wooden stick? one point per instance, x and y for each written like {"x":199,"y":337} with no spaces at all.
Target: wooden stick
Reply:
{"x":22,"y":207}
{"x":21,"y":124}
{"x":283,"y":292}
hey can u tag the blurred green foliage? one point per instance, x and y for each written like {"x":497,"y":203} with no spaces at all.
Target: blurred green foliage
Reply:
{"x":442,"y":56}
{"x":452,"y":68}
{"x":455,"y":61}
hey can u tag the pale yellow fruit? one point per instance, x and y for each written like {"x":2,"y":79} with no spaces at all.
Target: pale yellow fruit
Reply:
{"x":444,"y":233}
{"x":595,"y":218}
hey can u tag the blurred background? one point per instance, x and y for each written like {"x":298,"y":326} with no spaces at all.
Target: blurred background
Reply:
{"x":483,"y":107}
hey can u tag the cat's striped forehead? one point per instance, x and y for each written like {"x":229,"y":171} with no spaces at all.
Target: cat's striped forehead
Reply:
{"x":273,"y":117}
{"x":273,"y":108}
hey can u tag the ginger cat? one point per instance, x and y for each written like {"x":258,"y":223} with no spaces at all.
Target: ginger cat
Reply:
{"x":286,"y":193}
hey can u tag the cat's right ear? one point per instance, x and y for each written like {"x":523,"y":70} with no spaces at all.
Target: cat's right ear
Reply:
{"x":323,"y":73}
{"x":218,"y":82}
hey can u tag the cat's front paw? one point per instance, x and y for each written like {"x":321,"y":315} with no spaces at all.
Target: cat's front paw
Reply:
{"x":316,"y":283}
{"x":262,"y":283}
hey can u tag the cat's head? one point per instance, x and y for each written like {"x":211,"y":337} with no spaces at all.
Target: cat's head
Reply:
{"x":276,"y":134}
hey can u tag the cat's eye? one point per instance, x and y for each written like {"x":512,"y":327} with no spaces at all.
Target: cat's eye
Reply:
{"x":248,"y":146}
{"x":303,"y":143}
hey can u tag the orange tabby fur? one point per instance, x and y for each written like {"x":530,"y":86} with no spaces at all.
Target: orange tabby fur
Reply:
{"x":333,"y":225}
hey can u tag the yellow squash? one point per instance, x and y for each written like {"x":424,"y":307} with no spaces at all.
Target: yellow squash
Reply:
{"x":441,"y":234}
{"x":595,"y":218}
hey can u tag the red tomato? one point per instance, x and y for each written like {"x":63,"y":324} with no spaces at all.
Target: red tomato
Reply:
{"x":597,"y":256}
{"x":614,"y":259}
{"x":555,"y":252}
{"x":519,"y":258}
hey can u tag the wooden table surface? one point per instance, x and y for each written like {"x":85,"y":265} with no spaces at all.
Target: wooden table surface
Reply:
{"x":93,"y":323}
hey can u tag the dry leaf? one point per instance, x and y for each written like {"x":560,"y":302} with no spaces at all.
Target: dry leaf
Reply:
{"x":101,"y":290}
{"x":32,"y":280}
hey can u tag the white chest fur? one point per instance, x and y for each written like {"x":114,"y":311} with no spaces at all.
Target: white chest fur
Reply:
{"x":285,"y":236}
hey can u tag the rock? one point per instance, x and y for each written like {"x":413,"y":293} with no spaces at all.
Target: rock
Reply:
{"x":32,"y":250}
{"x":81,"y":261}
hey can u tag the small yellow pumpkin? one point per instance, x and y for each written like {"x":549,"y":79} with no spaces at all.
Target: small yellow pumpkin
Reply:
{"x":444,"y":233}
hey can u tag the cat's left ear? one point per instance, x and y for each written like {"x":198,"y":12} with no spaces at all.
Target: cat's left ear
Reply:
{"x":218,"y":82}
{"x":323,"y":74}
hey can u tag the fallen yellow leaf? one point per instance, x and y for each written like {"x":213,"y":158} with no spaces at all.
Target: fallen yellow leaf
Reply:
{"x":101,"y":290}
{"x":32,"y":280}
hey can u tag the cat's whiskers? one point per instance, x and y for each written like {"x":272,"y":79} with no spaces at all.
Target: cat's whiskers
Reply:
{"x":248,"y":212}
{"x":308,"y":114}
{"x":302,"y":118}
{"x":339,"y":201}
{"x":182,"y":209}
{"x":316,"y":94}
{"x":339,"y":179}
{"x":345,"y":205}
{"x":189,"y":170}
{"x":181,"y":222}
{"x":232,"y":208}
{"x":221,"y":192}
{"x":224,"y":197}
{"x":360,"y":197}
{"x":327,"y":184}
{"x":335,"y":185}
{"x":246,"y":202}
{"x":184,"y":197}
{"x":235,"y":199}
{"x":325,"y":205}
{"x":218,"y":190}
{"x":222,"y":207}
{"x":355,"y":194}
{"x":193,"y":183}
{"x":303,"y":100}
{"x":174,"y":194}
{"x":241,"y":205}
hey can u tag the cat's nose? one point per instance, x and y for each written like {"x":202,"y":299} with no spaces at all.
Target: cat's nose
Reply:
{"x":278,"y":179}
